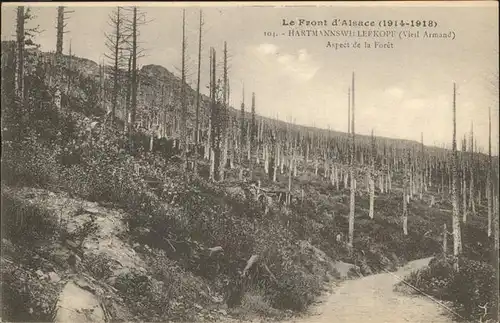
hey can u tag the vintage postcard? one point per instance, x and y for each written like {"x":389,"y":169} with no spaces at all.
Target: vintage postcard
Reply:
{"x":250,"y":162}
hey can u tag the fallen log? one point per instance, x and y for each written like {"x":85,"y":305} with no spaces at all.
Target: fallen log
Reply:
{"x":253,"y":259}
{"x":214,"y":250}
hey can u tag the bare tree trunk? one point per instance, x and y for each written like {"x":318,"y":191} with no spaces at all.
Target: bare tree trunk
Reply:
{"x":410,"y":187}
{"x":133,"y":104}
{"x":223,"y":119}
{"x":349,"y":111}
{"x":129,"y":90}
{"x":488,"y":180}
{"x":70,"y":67}
{"x":60,"y":30}
{"x":151,"y":137}
{"x":252,"y":145}
{"x":464,"y":198}
{"x":295,"y":166}
{"x":306,"y":160}
{"x":9,"y":66}
{"x":292,"y":161}
{"x":213,"y":115}
{"x":346,"y":178}
{"x":421,"y":168}
{"x":242,"y":128}
{"x":117,"y":42}
{"x":266,"y":159}
{"x":20,"y":53}
{"x":372,"y":197}
{"x":472,"y":204}
{"x":208,"y":144}
{"x":406,"y":189}
{"x":353,"y":183}
{"x":184,"y":131}
{"x":276,"y":161}
{"x":212,"y":164}
{"x":456,"y":222}
{"x":197,"y":121}
{"x":282,"y":160}
{"x":337,"y":179}
{"x":102,"y":85}
{"x":386,"y":182}
{"x":405,"y":210}
{"x":445,"y":240}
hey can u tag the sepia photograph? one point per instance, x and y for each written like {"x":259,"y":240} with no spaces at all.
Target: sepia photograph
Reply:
{"x":251,"y":162}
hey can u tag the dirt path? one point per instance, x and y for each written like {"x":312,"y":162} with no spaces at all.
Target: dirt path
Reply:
{"x":372,"y":299}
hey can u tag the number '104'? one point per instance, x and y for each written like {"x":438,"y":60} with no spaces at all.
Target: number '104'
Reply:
{"x":270,"y":34}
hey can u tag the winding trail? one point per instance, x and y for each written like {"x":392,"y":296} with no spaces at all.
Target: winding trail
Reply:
{"x":372,"y":299}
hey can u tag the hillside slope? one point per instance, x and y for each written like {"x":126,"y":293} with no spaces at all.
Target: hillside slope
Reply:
{"x":150,"y":241}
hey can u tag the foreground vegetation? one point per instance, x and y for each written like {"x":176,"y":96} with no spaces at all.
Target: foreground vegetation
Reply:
{"x":470,"y":290}
{"x":252,"y":217}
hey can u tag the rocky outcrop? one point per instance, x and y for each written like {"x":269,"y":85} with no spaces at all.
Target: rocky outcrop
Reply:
{"x":78,"y":305}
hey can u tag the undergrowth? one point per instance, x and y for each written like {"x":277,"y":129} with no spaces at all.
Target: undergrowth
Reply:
{"x":183,"y":216}
{"x":470,"y":288}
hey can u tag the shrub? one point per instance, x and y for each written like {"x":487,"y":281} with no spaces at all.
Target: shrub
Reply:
{"x":25,"y":296}
{"x":24,"y":223}
{"x":468,"y":289}
{"x":168,"y":292}
{"x":256,"y":302}
{"x":472,"y":287}
{"x":296,"y":289}
{"x":98,"y":265}
{"x":143,"y":295}
{"x":30,"y":163}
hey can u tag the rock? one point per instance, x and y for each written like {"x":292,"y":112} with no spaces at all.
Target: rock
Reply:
{"x":60,"y":256}
{"x":78,"y":305}
{"x":91,"y":210}
{"x":7,"y":245}
{"x":72,"y":244}
{"x":343,"y":268}
{"x":319,"y":254}
{"x":236,"y":192}
{"x":40,"y":273}
{"x":54,"y":277}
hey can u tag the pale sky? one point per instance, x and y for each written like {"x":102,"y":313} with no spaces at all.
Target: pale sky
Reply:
{"x":400,"y":92}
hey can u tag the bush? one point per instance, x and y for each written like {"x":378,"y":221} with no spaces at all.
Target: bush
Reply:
{"x":468,"y":289}
{"x":143,"y":295}
{"x":472,"y":287}
{"x":30,"y":163}
{"x":25,"y":296}
{"x":168,"y":292}
{"x":296,"y":290}
{"x":98,"y":266}
{"x":24,"y":223}
{"x":255,"y":302}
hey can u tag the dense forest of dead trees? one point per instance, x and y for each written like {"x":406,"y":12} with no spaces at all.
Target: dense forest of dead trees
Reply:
{"x":208,"y":132}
